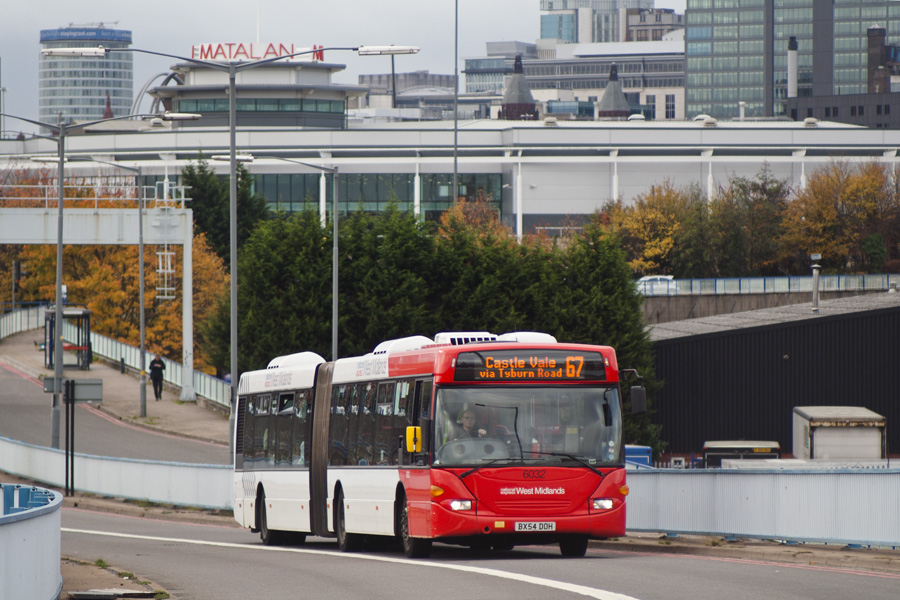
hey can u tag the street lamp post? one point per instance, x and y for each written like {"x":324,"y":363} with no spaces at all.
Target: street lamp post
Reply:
{"x":334,"y":253}
{"x":140,"y":199}
{"x":62,"y":130}
{"x":231,"y":68}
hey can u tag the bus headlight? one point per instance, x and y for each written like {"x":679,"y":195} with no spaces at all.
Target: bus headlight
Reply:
{"x":602,"y":504}
{"x":460,"y":505}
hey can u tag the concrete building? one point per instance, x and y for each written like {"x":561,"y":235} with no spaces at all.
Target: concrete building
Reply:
{"x":651,"y":24}
{"x":78,"y":87}
{"x":878,"y":106}
{"x":651,"y":74}
{"x":738,"y":51}
{"x":539,"y":174}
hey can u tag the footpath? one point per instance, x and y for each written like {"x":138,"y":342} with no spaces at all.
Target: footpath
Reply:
{"x":204,"y":421}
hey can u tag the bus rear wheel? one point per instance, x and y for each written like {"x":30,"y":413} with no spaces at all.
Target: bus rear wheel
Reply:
{"x":412,"y":547}
{"x":268,"y":536}
{"x":574,"y":546}
{"x":347,"y":542}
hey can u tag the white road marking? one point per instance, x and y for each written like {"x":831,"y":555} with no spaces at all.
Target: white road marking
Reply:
{"x":556,"y":585}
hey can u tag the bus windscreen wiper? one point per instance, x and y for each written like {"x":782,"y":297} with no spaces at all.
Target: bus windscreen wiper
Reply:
{"x":579,"y":459}
{"x":489,"y":463}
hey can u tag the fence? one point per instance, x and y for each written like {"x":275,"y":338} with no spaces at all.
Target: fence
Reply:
{"x":769,"y":285}
{"x":206,"y":386}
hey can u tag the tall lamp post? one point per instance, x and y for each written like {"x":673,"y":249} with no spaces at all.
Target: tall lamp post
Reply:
{"x":334,"y":253}
{"x":232,"y":68}
{"x":140,"y":199}
{"x":62,"y":129}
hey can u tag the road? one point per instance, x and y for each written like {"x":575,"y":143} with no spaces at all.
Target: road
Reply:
{"x":198,"y":562}
{"x":27,"y":410}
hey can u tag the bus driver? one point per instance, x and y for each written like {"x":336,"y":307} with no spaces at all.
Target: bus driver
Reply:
{"x":468,"y":429}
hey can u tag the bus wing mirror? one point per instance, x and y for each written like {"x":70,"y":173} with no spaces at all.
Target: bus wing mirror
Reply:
{"x":638,"y":399}
{"x":413,"y":439}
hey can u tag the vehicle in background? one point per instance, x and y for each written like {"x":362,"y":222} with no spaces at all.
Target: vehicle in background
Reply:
{"x":656,"y":285}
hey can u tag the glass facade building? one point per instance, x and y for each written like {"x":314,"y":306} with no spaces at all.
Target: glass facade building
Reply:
{"x":78,"y":87}
{"x":736,"y":51}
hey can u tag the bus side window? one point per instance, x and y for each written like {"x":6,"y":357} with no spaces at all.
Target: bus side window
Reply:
{"x":299,"y":433}
{"x":284,"y":428}
{"x":422,"y":413}
{"x":384,"y":426}
{"x":365,"y":449}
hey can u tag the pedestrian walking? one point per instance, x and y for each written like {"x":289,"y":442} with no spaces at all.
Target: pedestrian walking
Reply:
{"x":157,"y":366}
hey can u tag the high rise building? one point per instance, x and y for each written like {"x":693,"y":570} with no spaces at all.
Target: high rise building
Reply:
{"x":78,"y":87}
{"x":736,"y":51}
{"x":587,"y":21}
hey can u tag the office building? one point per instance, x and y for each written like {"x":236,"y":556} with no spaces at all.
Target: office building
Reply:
{"x":78,"y":87}
{"x":587,"y":21}
{"x":651,"y":74}
{"x":736,"y":51}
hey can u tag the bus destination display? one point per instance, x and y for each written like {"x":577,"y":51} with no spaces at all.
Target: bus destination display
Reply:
{"x":530,"y":365}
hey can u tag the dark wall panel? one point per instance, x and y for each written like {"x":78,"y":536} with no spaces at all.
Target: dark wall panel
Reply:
{"x":744,"y":384}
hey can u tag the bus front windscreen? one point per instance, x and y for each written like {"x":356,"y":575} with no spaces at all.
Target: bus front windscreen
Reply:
{"x":510,"y":424}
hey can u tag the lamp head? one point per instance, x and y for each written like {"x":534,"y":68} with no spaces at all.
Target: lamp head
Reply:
{"x":382,"y":50}
{"x":97,"y":52}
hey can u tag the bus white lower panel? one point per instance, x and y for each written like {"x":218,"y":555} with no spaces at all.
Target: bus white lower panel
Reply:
{"x":287,"y":499}
{"x":369,"y":495}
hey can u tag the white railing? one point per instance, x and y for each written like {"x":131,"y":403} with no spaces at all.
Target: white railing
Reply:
{"x":769,"y":285}
{"x":844,"y":506}
{"x":24,"y":319}
{"x":832,"y":506}
{"x":212,"y":388}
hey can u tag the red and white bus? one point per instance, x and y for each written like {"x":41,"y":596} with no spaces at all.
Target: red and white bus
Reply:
{"x":379,"y":446}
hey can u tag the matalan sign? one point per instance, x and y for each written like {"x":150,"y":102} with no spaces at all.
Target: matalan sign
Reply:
{"x":237,"y":51}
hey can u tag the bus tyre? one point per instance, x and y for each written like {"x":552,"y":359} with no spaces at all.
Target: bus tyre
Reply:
{"x":268,"y":537}
{"x":347,"y":542}
{"x":412,"y":547}
{"x":574,"y":546}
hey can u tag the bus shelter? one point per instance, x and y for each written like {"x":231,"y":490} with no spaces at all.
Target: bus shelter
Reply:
{"x":81,"y":346}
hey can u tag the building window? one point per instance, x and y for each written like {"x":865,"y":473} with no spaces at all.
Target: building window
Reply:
{"x":862,"y":110}
{"x":835,"y":111}
{"x":827,"y":112}
{"x":670,"y":106}
{"x":887,"y":109}
{"x":852,"y":111}
{"x":809,"y":112}
{"x":651,"y":102}
{"x":878,"y":110}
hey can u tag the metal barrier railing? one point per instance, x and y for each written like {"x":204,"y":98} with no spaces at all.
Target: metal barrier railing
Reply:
{"x":769,"y":285}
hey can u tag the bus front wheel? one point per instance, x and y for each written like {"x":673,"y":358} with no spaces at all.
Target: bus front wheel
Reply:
{"x":412,"y":547}
{"x":574,"y":546}
{"x":347,"y":542}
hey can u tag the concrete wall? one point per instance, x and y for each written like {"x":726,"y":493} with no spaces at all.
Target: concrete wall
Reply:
{"x":663,"y":309}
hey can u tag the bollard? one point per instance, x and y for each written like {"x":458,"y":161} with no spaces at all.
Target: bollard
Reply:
{"x":122,"y":364}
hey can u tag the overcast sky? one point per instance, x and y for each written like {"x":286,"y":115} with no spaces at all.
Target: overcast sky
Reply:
{"x":175,"y":26}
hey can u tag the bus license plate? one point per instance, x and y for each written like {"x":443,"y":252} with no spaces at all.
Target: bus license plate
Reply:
{"x":536,"y":526}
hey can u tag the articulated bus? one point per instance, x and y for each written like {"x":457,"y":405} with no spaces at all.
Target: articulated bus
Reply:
{"x":382,"y":446}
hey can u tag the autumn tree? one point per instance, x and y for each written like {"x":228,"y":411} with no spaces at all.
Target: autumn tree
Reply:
{"x":649,"y":228}
{"x":105,"y":279}
{"x":832,"y":216}
{"x":746,"y":223}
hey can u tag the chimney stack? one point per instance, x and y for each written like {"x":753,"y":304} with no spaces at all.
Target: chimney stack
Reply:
{"x":792,"y":68}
